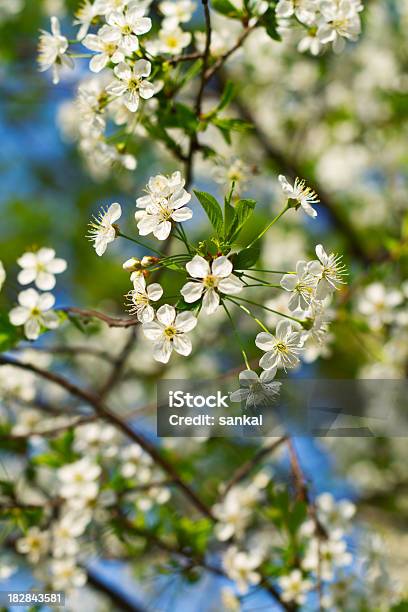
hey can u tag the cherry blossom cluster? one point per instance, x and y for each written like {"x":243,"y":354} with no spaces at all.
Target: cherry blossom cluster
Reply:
{"x":58,"y":541}
{"x":326,"y":22}
{"x":212,"y":281}
{"x":34,"y":311}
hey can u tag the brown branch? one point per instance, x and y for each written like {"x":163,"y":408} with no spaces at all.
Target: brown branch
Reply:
{"x":95,"y":314}
{"x":118,"y":366}
{"x":105,"y":413}
{"x":223,"y":58}
{"x":246,"y":468}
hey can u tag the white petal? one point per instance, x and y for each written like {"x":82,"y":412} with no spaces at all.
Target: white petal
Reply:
{"x":163,"y":230}
{"x":45,"y":281}
{"x":283,"y":329}
{"x":192,"y":291}
{"x":211,"y":301}
{"x":28,"y":260}
{"x":162,"y":350}
{"x":268,"y":375}
{"x":265,"y":341}
{"x":269,"y":360}
{"x":146,"y":315}
{"x":154,"y":291}
{"x":142,"y":68}
{"x":289,"y":282}
{"x":123,"y":71}
{"x":98,"y":62}
{"x":221,"y":267}
{"x":146,"y":90}
{"x":57,"y":266}
{"x":114,"y":212}
{"x":239,"y":396}
{"x":32,"y":329}
{"x":132,"y":101}
{"x":198,"y":267}
{"x":19,"y":315}
{"x":50,"y":320}
{"x":185,"y":321}
{"x":166,"y":314}
{"x":93,"y":42}
{"x":25,"y":277}
{"x":28,"y":298}
{"x":152,"y":330}
{"x":248,"y":377}
{"x":182,"y":344}
{"x":182,"y":214}
{"x":46,"y":301}
{"x":230,"y":285}
{"x":321,"y":253}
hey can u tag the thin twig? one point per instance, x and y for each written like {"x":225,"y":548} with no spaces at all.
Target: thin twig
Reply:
{"x":246,"y":468}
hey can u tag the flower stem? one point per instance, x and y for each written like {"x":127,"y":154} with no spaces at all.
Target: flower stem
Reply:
{"x":249,"y":313}
{"x":145,"y":246}
{"x":238,"y":337}
{"x":281,"y":314}
{"x":282,"y":212}
{"x":261,"y":281}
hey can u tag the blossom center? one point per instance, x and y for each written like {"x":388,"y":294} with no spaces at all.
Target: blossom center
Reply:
{"x":210,"y":281}
{"x":170,"y":332}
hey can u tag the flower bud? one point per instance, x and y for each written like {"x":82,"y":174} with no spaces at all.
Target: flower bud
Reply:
{"x":149,"y":260}
{"x":132,"y":264}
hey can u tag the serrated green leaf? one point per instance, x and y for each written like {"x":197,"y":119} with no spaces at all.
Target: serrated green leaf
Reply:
{"x":225,"y":7}
{"x":246,"y":258}
{"x":269,"y":22}
{"x":227,"y":95}
{"x":212,"y":208}
{"x":242,"y":211}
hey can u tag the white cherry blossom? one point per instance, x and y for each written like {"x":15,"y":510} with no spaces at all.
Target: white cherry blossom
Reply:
{"x":165,"y":202}
{"x":123,"y":28}
{"x":66,"y":574}
{"x":340,"y":20}
{"x":180,"y":11}
{"x":52,"y":51}
{"x":172,"y":39}
{"x":324,"y":556}
{"x":295,"y":587}
{"x":329,"y":271}
{"x":34,"y":311}
{"x":334,"y":515}
{"x":34,"y":544}
{"x":282,"y":349}
{"x":105,"y":51}
{"x":79,"y":479}
{"x":257,"y":390}
{"x":131,"y":83}
{"x":211,"y":282}
{"x":303,"y":195}
{"x":40,"y":267}
{"x":169,"y":331}
{"x":140,"y":297}
{"x":301,"y":285}
{"x":240,"y":566}
{"x":102,"y":231}
{"x":377,"y":304}
{"x":84,"y":16}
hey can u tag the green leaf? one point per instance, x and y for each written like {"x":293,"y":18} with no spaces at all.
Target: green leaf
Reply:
{"x":9,"y":334}
{"x":178,"y":116}
{"x":269,"y":22}
{"x":212,"y":208}
{"x":242,"y":211}
{"x":246,"y":258}
{"x":225,"y":7}
{"x":226,"y":126}
{"x":227,"y":96}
